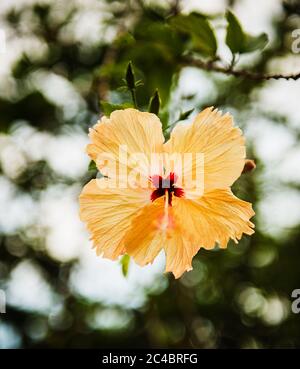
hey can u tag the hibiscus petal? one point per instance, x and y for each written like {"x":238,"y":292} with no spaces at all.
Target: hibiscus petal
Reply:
{"x":108,"y":213}
{"x":217,"y":217}
{"x":221,"y":143}
{"x":141,"y":134}
{"x":187,"y":225}
{"x":164,"y":231}
{"x":145,"y":238}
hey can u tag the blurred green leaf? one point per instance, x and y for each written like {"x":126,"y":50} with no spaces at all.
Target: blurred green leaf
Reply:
{"x":107,"y":108}
{"x":154,"y":103}
{"x":155,"y":57}
{"x":256,"y":42}
{"x":185,"y":114}
{"x":235,"y":37}
{"x":124,"y":40}
{"x":182,"y":116}
{"x":239,"y":41}
{"x":200,"y":30}
{"x":125,"y":264}
{"x":92,"y":166}
{"x":139,"y":83}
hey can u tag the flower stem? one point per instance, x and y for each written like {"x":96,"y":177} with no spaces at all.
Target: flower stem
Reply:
{"x":134,"y":100}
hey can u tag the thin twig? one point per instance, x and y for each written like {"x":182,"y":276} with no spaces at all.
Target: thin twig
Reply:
{"x":210,"y":66}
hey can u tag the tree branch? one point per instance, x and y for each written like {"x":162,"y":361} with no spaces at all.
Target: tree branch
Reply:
{"x":211,"y":66}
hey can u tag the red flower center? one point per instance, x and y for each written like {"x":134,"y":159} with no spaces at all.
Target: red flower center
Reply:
{"x":164,"y":185}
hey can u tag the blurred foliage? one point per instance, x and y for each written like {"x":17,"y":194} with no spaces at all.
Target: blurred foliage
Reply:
{"x":240,"y":42}
{"x":230,"y":296}
{"x":201,"y":32}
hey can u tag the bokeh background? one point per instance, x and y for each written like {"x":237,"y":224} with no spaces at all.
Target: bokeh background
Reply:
{"x":61,"y":58}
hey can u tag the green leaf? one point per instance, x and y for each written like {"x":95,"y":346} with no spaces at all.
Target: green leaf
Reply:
{"x":256,"y":42}
{"x":200,"y":30}
{"x":139,"y":83}
{"x":238,"y":40}
{"x":107,"y":108}
{"x":154,"y":103}
{"x":92,"y":166}
{"x":125,"y":264}
{"x":235,"y":37}
{"x":185,"y":114}
{"x":182,"y":116}
{"x":130,"y":79}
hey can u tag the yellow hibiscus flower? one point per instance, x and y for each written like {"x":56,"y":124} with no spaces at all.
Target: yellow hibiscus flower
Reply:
{"x":170,"y":213}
